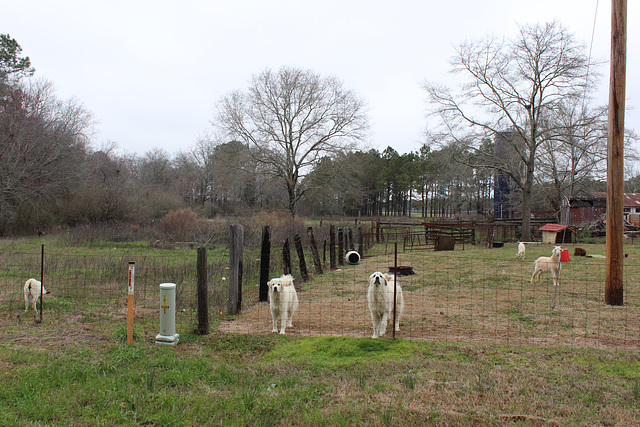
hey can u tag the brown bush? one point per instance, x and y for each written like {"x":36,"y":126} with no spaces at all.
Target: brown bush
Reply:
{"x":179,"y":225}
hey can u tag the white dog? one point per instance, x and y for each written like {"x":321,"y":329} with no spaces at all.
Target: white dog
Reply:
{"x":551,"y":264}
{"x":32,"y":292}
{"x":380,"y":299}
{"x":522,"y":249}
{"x":283,"y":301}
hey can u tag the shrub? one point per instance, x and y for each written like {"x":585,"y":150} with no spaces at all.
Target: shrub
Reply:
{"x":179,"y":225}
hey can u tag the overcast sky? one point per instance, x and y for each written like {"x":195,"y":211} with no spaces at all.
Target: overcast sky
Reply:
{"x":151,"y":72}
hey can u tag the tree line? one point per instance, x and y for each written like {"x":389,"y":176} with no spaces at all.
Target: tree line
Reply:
{"x":294,"y":141}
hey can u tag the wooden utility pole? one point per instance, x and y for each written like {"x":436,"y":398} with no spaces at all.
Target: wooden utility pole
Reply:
{"x":615,"y":165}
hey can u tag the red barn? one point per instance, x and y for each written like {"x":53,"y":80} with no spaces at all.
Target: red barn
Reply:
{"x":584,"y":210}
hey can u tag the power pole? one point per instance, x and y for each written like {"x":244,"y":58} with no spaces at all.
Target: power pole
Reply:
{"x":615,"y":163}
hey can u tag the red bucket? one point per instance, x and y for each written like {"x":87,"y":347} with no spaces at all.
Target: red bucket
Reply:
{"x":564,"y":255}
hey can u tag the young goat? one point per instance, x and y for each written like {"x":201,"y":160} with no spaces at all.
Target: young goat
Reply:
{"x":551,"y":264}
{"x":521,"y":250}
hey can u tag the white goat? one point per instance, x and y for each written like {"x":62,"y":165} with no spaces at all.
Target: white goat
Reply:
{"x":521,"y":250}
{"x":551,"y":264}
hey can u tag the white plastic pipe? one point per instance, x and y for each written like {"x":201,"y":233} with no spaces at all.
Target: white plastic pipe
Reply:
{"x":167,"y":335}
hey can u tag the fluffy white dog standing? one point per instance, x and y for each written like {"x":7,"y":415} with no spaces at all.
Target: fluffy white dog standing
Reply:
{"x":551,"y":264}
{"x":522,"y":249}
{"x":32,"y":292}
{"x":283,"y":301}
{"x":380,"y":299}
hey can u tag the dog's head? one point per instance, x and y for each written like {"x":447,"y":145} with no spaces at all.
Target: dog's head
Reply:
{"x":378,"y":279}
{"x":275,"y":285}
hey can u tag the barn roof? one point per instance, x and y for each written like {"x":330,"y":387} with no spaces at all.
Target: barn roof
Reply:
{"x":630,"y":199}
{"x":554,"y":227}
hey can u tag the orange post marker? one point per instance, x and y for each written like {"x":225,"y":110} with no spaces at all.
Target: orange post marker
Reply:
{"x":132,"y":268}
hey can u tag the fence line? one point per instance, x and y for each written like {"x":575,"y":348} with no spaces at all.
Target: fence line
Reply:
{"x":457,"y":296}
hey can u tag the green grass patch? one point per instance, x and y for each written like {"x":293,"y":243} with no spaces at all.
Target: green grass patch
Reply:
{"x":611,"y":367}
{"x":341,"y":351}
{"x":516,"y":314}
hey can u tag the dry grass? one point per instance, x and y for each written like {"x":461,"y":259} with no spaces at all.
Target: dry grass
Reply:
{"x":472,"y":295}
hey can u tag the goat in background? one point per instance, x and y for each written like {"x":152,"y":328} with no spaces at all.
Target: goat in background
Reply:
{"x":551,"y":264}
{"x":522,"y":249}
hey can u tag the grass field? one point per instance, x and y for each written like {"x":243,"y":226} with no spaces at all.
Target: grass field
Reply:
{"x":64,"y":375}
{"x":478,"y":346}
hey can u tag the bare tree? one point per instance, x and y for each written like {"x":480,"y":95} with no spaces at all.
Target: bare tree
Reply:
{"x":104,"y":193}
{"x":189,"y":182}
{"x":195,"y":171}
{"x":575,"y":155}
{"x":234,"y":176}
{"x":290,"y":120}
{"x":517,"y":86}
{"x":42,"y":142}
{"x":156,"y":170}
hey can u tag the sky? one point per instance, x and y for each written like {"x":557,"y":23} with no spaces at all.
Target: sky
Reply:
{"x":151,"y":72}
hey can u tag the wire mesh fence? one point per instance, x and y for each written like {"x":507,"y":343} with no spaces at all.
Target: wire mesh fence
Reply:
{"x":475,"y":295}
{"x":472,"y":295}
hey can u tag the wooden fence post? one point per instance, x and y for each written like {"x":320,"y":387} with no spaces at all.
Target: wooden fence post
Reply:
{"x":324,"y":252}
{"x":303,"y":265}
{"x":203,"y":305}
{"x":340,"y":246}
{"x":350,"y":244}
{"x":314,"y":251}
{"x":286,"y":257}
{"x":360,"y":245}
{"x":41,"y":284}
{"x":332,"y":247}
{"x":130,"y":295}
{"x":235,"y":269}
{"x":265,"y":257}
